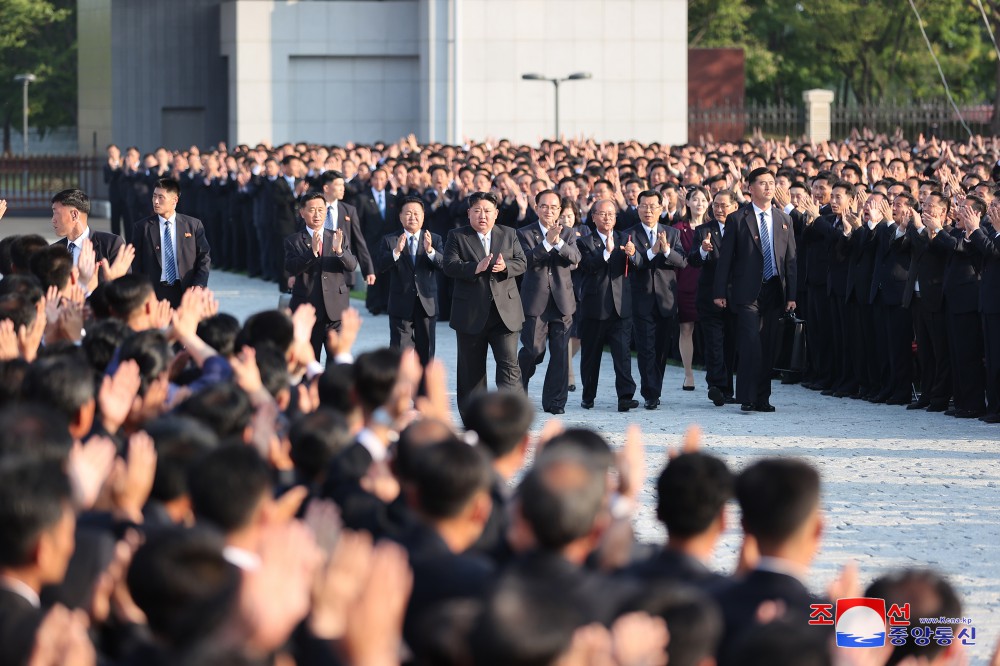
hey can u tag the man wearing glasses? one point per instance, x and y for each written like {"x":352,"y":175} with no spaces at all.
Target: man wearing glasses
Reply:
{"x":484,"y":259}
{"x":548,"y":300}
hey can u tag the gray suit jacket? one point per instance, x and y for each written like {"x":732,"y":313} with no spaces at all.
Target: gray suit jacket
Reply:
{"x":473,"y":293}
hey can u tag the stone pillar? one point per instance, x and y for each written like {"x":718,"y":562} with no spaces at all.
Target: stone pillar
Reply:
{"x":818,"y":103}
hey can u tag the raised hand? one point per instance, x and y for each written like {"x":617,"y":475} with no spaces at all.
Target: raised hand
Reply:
{"x":116,"y":395}
{"x":401,"y":243}
{"x":782,"y":197}
{"x":317,"y":243}
{"x":87,"y":265}
{"x":133,"y":480}
{"x":121,"y":265}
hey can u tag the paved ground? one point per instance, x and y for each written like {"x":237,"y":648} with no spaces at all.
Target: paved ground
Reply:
{"x":900,"y":488}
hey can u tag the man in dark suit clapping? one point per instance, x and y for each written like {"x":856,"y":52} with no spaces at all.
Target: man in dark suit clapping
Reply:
{"x":320,"y":263}
{"x":758,"y":260}
{"x":170,"y":248}
{"x":70,"y":212}
{"x":410,"y":263}
{"x":484,"y":259}
{"x":547,"y":296}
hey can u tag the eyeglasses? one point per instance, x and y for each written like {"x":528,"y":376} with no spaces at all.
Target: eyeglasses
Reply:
{"x":548,"y":207}
{"x":650,"y":206}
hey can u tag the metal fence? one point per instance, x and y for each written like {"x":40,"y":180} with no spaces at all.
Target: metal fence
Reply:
{"x":29,"y":183}
{"x":732,"y":122}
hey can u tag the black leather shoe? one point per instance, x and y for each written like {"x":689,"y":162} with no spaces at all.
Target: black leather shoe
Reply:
{"x":937,"y":407}
{"x":587,"y":404}
{"x":556,"y":410}
{"x":990,"y":418}
{"x":880,"y":398}
{"x":919,"y":404}
{"x":652,"y":403}
{"x":901,"y":400}
{"x":730,"y":400}
{"x":828,"y":392}
{"x":968,"y":413}
{"x":764,"y":407}
{"x":571,"y":388}
{"x":625,"y":405}
{"x":747,"y":407}
{"x":950,"y":412}
{"x":716,"y":396}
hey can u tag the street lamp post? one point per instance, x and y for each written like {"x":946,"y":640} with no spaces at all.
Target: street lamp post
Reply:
{"x":577,"y":76}
{"x":25,"y":79}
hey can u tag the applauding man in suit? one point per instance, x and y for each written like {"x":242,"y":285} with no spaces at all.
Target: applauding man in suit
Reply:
{"x":170,"y":248}
{"x":320,"y":263}
{"x":484,"y":259}
{"x":606,"y":307}
{"x":70,"y":212}
{"x":547,"y":296}
{"x":654,"y":290}
{"x":758,"y":260}
{"x":411,"y":261}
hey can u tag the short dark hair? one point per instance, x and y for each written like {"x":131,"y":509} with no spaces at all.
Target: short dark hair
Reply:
{"x":168,"y":185}
{"x":22,"y":249}
{"x":18,"y":308}
{"x":500,"y":419}
{"x":411,"y":199}
{"x":104,"y":337}
{"x":273,"y":368}
{"x":444,"y":477}
{"x":310,"y":196}
{"x":476,"y":197}
{"x":219,"y":332}
{"x":691,"y":491}
{"x":650,"y":194}
{"x":759,"y":172}
{"x":844,"y":185}
{"x":34,"y":431}
{"x":151,"y":352}
{"x":52,"y":266}
{"x":5,"y":245}
{"x":224,"y":407}
{"x":33,"y":496}
{"x":127,"y":294}
{"x":60,"y":382}
{"x":184,"y":585}
{"x":584,"y":442}
{"x":694,"y":619}
{"x":272,"y":325}
{"x":316,"y":438}
{"x":73,"y":198}
{"x":779,"y":642}
{"x":181,"y":442}
{"x":227,"y":485}
{"x":375,"y":374}
{"x":330,"y":176}
{"x":335,"y":386}
{"x":777,"y":496}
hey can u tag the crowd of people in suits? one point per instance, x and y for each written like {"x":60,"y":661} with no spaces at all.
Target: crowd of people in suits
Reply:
{"x":180,"y":487}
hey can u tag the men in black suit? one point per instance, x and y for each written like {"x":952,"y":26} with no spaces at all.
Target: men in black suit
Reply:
{"x":484,"y":260}
{"x":924,"y":296}
{"x":606,"y":308}
{"x":780,"y":504}
{"x":171,"y":249}
{"x":340,"y":214}
{"x":987,"y":242}
{"x":284,"y":190}
{"x":320,"y":263}
{"x":70,"y":212}
{"x":112,"y":178}
{"x":863,"y":246}
{"x":409,"y":263}
{"x":547,"y":296}
{"x":654,"y":293}
{"x":758,"y":261}
{"x":718,"y":325}
{"x":37,"y":522}
{"x":380,"y":216}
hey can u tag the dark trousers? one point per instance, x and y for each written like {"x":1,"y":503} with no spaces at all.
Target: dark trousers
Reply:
{"x":965,"y":342}
{"x":757,"y":332}
{"x":445,"y":288}
{"x":594,"y":334}
{"x":718,"y":330}
{"x":169,"y":292}
{"x":897,"y":336}
{"x":417,"y":332}
{"x":820,"y":327}
{"x":552,"y":327}
{"x":867,"y":362}
{"x":653,"y":333}
{"x":267,"y":250}
{"x":117,"y":215}
{"x":991,"y":340}
{"x":320,"y":330}
{"x":252,"y":249}
{"x":471,"y":370}
{"x":844,"y":319}
{"x":930,"y":329}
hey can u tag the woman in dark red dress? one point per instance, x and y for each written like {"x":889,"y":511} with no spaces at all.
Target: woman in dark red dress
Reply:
{"x":697,"y":202}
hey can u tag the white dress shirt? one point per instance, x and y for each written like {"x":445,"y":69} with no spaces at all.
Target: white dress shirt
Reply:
{"x":545,"y":241}
{"x":74,"y":246}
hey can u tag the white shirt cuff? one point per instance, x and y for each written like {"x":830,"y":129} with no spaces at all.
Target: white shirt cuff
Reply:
{"x":395,"y":255}
{"x":649,"y":254}
{"x":789,"y":208}
{"x":431,"y":253}
{"x":546,"y":244}
{"x":704,"y":255}
{"x":607,"y":254}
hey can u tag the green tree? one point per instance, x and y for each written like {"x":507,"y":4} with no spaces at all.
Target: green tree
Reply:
{"x":38,"y":37}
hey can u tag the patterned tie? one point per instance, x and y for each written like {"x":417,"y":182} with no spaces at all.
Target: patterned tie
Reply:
{"x":651,"y":241}
{"x":74,"y":250}
{"x":486,"y":245}
{"x":413,"y":249}
{"x":330,"y":223}
{"x":381,"y":204}
{"x":169,"y":260}
{"x":765,"y":247}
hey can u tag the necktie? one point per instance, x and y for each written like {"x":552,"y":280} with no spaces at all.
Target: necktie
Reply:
{"x":651,"y":241}
{"x":765,"y":247}
{"x":169,"y":260}
{"x":413,"y":249}
{"x":381,"y":204}
{"x":74,"y":250}
{"x":331,"y":224}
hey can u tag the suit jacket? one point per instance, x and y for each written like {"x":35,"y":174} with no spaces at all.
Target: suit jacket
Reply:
{"x":284,"y":219}
{"x":549,"y":273}
{"x":863,"y":248}
{"x":987,"y":243}
{"x":606,"y":288}
{"x":373,"y":225}
{"x":410,"y":282}
{"x":654,"y":284}
{"x":706,"y":278}
{"x":472,"y":293}
{"x":19,"y":621}
{"x":192,"y":251}
{"x":927,"y":266}
{"x":106,"y":245}
{"x":349,"y":220}
{"x":816,"y":251}
{"x":961,"y":274}
{"x":673,"y":566}
{"x":741,"y":262}
{"x":892,"y":265}
{"x":321,"y":280}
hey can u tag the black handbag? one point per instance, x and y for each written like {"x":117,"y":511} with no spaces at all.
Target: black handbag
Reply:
{"x":792,"y":350}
